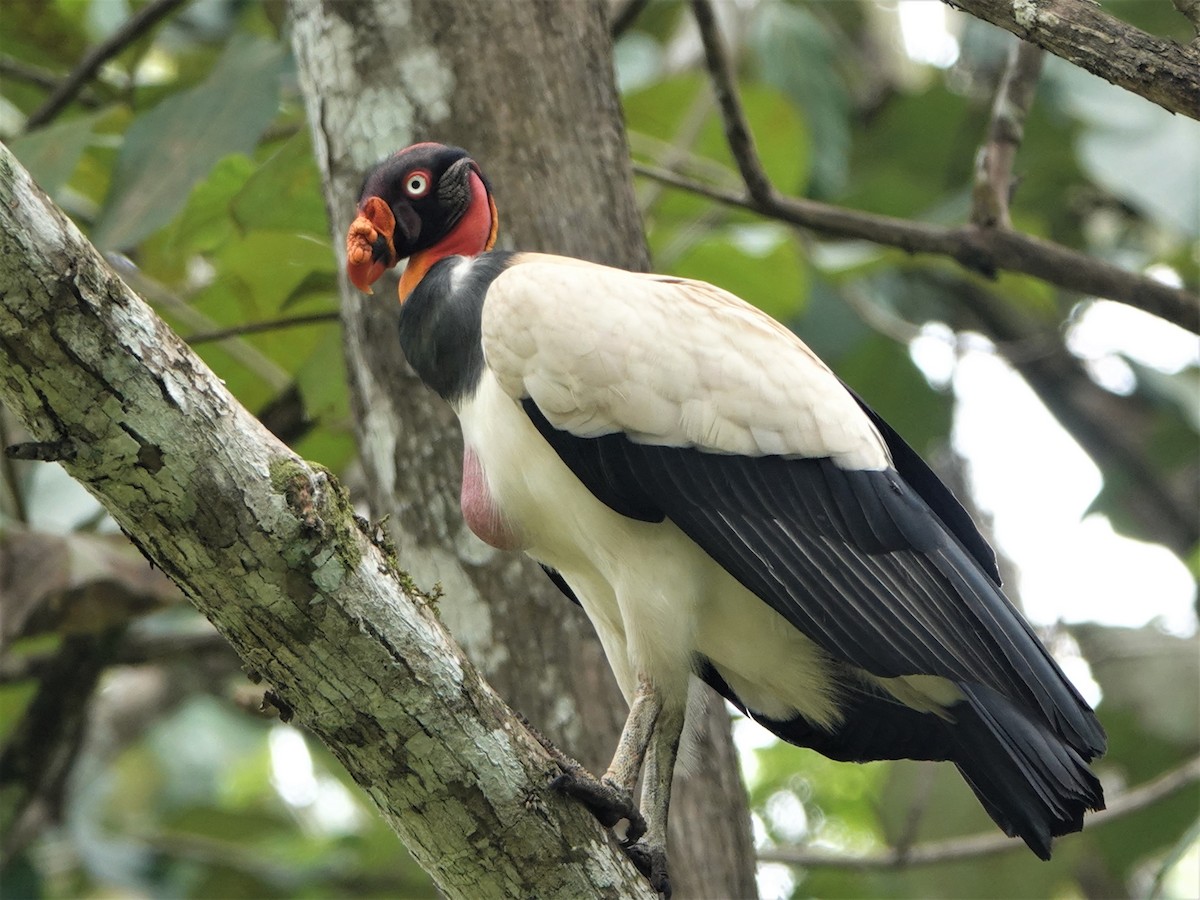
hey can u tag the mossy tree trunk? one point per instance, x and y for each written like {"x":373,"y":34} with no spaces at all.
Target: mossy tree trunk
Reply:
{"x":528,"y":89}
{"x":267,"y":546}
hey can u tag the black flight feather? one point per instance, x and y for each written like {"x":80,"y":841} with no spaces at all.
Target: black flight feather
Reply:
{"x":856,"y":560}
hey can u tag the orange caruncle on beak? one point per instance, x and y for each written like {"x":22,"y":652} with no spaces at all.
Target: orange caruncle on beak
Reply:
{"x":374,"y":221}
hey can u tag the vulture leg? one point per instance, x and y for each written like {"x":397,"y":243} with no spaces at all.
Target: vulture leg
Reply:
{"x":610,"y":798}
{"x":650,"y":854}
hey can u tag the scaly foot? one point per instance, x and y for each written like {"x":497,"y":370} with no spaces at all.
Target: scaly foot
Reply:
{"x":651,"y":861}
{"x":605,"y":800}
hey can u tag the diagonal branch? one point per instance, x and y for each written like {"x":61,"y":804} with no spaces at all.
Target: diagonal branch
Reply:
{"x":268,"y":548}
{"x":1161,"y":70}
{"x":988,"y":844}
{"x":40,"y":77}
{"x":982,"y":249}
{"x":1114,"y":432}
{"x":136,"y":26}
{"x":1191,"y":11}
{"x":977,"y":249}
{"x":206,"y":337}
{"x":1006,"y":129}
{"x":622,"y":16}
{"x":737,"y":128}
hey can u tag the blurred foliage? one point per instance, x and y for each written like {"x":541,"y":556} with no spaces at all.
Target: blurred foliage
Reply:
{"x":190,"y":163}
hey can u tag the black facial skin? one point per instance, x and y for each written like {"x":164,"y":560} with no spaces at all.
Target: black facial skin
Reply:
{"x":421,"y":221}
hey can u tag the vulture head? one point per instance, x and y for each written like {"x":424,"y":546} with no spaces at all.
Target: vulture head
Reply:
{"x":421,"y":203}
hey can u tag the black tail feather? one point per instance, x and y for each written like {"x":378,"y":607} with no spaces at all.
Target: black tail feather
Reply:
{"x":1032,"y":783}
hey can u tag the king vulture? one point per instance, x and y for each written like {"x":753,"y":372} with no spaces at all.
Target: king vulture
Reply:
{"x":724,"y":509}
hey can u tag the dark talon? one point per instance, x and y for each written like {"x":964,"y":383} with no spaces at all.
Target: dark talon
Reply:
{"x":651,"y":861}
{"x":607,"y":802}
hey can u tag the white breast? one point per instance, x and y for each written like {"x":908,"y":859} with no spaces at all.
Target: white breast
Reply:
{"x":655,"y":598}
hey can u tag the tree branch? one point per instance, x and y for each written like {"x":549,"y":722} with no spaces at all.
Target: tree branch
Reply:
{"x":38,"y":756}
{"x":982,"y":249}
{"x":1191,"y":11}
{"x":133,"y":28}
{"x":976,"y":249}
{"x":1006,"y":129}
{"x":267,"y":547}
{"x":1115,"y":432}
{"x":41,"y":77}
{"x":205,"y":337}
{"x":1161,"y":70}
{"x":737,"y":128}
{"x":989,"y":843}
{"x":132,"y":650}
{"x":623,"y":14}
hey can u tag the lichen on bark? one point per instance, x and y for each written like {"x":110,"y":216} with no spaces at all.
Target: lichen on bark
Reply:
{"x":268,"y":547}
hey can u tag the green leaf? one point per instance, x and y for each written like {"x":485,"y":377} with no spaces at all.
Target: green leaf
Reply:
{"x":660,"y":112}
{"x":284,"y":193}
{"x":259,"y":272}
{"x":206,"y":222}
{"x":322,"y":382}
{"x":758,"y":263}
{"x":779,"y":136}
{"x":919,"y":148}
{"x":795,"y":53}
{"x":174,"y":145}
{"x":51,"y":154}
{"x":1124,"y":134}
{"x":884,"y":375}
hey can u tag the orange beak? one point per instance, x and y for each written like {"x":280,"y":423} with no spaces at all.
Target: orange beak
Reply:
{"x":369,"y":248}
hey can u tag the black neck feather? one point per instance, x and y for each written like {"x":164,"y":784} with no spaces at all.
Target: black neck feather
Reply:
{"x":440,"y":323}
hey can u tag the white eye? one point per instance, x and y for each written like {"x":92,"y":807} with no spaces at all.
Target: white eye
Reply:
{"x":416,"y":184}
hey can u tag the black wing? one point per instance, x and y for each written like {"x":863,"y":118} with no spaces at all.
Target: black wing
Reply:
{"x":934,"y":492}
{"x":856,"y":560}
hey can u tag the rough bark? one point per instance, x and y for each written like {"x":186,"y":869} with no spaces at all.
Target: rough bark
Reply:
{"x":528,"y":88}
{"x":1080,"y":31}
{"x":268,"y":548}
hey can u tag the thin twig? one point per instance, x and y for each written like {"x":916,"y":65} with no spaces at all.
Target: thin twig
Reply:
{"x":242,"y":351}
{"x":1182,"y":846}
{"x":977,"y":249}
{"x":8,"y":470}
{"x":737,"y":128}
{"x":135,"y":26}
{"x":265,"y":325}
{"x":133,"y":650}
{"x":624,"y":16}
{"x":1006,"y":129}
{"x":1112,"y":431}
{"x":989,"y":843}
{"x":40,"y":77}
{"x":1191,"y":11}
